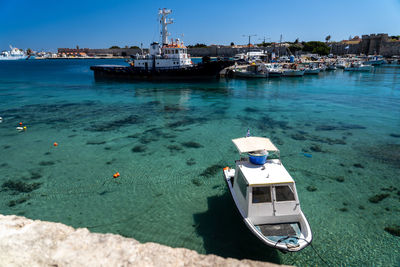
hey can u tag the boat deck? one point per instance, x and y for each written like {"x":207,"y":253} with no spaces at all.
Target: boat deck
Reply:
{"x":283,"y":233}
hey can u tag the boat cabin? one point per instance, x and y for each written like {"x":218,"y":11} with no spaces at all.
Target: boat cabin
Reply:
{"x":264,"y":191}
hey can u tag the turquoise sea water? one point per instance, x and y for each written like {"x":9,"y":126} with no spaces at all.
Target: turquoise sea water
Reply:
{"x":170,"y":141}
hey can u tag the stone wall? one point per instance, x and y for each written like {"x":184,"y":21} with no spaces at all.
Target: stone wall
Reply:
{"x":24,"y":242}
{"x":370,"y":45}
{"x":343,"y":49}
{"x":390,"y":49}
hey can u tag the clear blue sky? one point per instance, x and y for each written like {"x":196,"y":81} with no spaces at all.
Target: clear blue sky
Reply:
{"x":49,"y":24}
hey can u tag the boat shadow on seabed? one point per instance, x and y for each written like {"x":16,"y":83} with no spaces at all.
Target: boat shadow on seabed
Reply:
{"x":224,"y":233}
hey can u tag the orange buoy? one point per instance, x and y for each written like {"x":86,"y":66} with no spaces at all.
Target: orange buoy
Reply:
{"x":116,"y":175}
{"x":20,"y":123}
{"x":226,"y":168}
{"x":55,"y":144}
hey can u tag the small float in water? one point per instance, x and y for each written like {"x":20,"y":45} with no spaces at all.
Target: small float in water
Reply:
{"x":266,"y":197}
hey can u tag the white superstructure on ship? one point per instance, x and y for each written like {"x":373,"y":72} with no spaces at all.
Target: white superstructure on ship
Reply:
{"x":168,"y":55}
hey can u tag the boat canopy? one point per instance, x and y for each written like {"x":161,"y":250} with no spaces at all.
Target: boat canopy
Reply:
{"x":252,"y":143}
{"x":273,"y":173}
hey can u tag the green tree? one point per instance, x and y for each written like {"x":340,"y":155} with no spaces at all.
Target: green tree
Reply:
{"x":295,"y":47}
{"x":197,"y":46}
{"x":115,"y":47}
{"x":134,"y":47}
{"x":316,"y":47}
{"x":232,"y":43}
{"x":296,"y":41}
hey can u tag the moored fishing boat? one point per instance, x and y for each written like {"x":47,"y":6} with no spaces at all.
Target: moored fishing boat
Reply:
{"x":374,"y":61}
{"x":265,"y":196}
{"x":254,"y":70}
{"x":292,"y":72}
{"x":358,"y":66}
{"x":274,"y":70}
{"x":312,"y":69}
{"x":330,"y":66}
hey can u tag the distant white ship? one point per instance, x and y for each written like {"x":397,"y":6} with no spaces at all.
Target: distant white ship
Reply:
{"x":14,"y":54}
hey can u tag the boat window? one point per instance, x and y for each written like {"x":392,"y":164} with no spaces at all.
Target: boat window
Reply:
{"x":241,"y":182}
{"x":177,"y":51}
{"x":284,"y":193}
{"x":261,"y":194}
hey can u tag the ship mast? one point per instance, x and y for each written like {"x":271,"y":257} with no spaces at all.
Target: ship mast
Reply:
{"x":164,"y":22}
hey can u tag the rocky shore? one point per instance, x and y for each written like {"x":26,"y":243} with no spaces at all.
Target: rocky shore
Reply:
{"x":25,"y":242}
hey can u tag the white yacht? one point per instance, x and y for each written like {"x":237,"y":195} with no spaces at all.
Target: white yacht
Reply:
{"x":266,"y":197}
{"x":13,"y":54}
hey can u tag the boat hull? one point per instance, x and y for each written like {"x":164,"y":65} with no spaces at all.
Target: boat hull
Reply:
{"x":374,"y":62}
{"x":293,"y":73}
{"x":248,"y":74}
{"x":363,"y":68}
{"x":13,"y":58}
{"x":312,"y":72}
{"x":277,"y":244}
{"x":207,"y":70}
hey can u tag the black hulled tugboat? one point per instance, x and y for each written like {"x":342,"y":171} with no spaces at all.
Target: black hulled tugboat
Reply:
{"x":169,"y":61}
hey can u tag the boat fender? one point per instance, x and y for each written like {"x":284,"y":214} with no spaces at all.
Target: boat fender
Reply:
{"x":55,"y":144}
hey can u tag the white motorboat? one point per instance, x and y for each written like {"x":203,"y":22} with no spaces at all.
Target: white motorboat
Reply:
{"x":252,"y":71}
{"x":266,"y":197}
{"x":358,"y":66}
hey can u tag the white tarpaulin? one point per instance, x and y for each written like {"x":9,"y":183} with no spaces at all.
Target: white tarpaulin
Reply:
{"x":252,"y":143}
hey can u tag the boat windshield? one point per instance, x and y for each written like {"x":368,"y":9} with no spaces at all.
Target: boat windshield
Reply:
{"x":284,"y":193}
{"x":261,"y":194}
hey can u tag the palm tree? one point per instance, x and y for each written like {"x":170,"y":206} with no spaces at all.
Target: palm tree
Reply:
{"x":327,"y":38}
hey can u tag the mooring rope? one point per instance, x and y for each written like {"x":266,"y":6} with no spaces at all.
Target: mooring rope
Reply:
{"x":309,"y":243}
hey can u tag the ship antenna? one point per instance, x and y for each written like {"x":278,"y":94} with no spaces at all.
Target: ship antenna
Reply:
{"x":164,"y":23}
